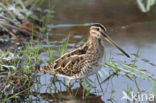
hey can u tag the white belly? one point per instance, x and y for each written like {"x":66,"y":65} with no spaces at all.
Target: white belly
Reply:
{"x":102,"y":60}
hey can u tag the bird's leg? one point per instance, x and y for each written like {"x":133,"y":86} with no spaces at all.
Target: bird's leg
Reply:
{"x":68,"y":83}
{"x":80,"y":82}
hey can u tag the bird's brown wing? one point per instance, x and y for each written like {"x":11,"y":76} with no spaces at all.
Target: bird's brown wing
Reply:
{"x":69,"y":64}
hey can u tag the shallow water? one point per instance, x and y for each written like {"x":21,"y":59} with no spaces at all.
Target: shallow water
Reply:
{"x":126,"y":24}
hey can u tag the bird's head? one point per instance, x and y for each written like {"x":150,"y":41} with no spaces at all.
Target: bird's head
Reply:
{"x":98,"y":31}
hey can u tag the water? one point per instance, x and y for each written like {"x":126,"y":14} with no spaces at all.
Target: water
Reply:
{"x":127,"y":25}
{"x":131,"y":29}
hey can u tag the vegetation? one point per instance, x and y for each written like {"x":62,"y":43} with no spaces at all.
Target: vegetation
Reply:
{"x":145,"y":5}
{"x":19,"y":80}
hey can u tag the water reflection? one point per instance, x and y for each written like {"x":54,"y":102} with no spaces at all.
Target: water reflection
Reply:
{"x":75,"y":96}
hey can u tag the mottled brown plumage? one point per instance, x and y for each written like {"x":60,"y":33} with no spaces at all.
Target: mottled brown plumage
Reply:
{"x":86,"y":59}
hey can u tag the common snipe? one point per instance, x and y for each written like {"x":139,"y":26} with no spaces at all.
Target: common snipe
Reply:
{"x":86,"y":59}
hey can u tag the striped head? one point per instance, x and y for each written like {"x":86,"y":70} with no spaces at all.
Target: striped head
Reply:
{"x":98,"y":31}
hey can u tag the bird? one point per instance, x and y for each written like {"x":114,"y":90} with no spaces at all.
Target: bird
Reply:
{"x":86,"y":59}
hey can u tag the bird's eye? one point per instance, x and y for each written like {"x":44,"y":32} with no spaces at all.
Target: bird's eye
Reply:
{"x":97,"y":29}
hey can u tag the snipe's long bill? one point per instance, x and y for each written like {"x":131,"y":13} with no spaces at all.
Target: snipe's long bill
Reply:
{"x":84,"y":60}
